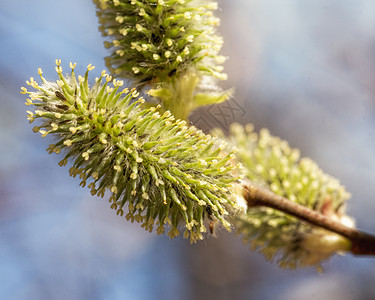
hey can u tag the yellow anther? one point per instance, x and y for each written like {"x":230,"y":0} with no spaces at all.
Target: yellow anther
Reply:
{"x":58,"y":69}
{"x":54,"y":126}
{"x":68,"y":143}
{"x":117,"y":168}
{"x":73,"y":129}
{"x":72,"y":65}
{"x":123,"y":31}
{"x":90,"y":67}
{"x":135,"y":94}
{"x":23,"y":90}
{"x":85,"y":155}
{"x":120,"y":52}
{"x":58,"y":62}
{"x":187,"y":15}
{"x":43,"y":132}
{"x":119,"y":19}
{"x":190,"y":38}
{"x":135,"y":70}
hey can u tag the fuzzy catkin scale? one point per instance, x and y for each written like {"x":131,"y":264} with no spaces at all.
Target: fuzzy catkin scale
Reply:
{"x":159,"y":170}
{"x":153,"y":41}
{"x":269,"y":162}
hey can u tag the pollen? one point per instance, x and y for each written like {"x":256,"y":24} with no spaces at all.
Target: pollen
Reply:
{"x":68,"y":143}
{"x":167,"y":54}
{"x":120,"y":52}
{"x":73,"y":129}
{"x":58,"y":69}
{"x":119,"y":19}
{"x":23,"y":90}
{"x":123,"y":31}
{"x":90,"y":67}
{"x":43,"y":132}
{"x":86,"y":155}
{"x":190,"y":38}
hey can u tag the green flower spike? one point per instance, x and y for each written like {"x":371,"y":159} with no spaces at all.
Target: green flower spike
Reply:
{"x":157,"y":168}
{"x":269,"y":162}
{"x":169,"y":45}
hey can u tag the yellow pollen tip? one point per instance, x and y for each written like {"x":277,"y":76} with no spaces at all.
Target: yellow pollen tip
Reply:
{"x":90,"y":67}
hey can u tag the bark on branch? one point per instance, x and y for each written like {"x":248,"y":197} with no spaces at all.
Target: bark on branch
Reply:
{"x":362,"y":242}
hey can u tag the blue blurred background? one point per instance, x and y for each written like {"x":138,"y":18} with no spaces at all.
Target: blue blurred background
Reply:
{"x":303,"y":69}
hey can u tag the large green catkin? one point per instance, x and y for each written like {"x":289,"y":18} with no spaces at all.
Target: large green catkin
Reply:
{"x":269,"y":162}
{"x":158,"y":169}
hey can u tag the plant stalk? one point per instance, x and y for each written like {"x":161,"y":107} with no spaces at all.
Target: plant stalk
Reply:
{"x":362,"y":243}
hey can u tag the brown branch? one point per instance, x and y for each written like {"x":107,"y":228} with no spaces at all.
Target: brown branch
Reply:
{"x":362,"y":242}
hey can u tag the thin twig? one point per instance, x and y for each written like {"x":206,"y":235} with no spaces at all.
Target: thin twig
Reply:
{"x":362,"y":242}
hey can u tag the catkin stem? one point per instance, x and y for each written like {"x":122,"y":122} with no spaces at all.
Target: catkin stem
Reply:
{"x":362,"y":242}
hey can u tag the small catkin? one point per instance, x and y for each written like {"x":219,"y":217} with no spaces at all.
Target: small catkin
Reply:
{"x":152,"y":41}
{"x":270,"y":162}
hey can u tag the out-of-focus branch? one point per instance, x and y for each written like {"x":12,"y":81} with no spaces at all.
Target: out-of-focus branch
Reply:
{"x":362,"y":242}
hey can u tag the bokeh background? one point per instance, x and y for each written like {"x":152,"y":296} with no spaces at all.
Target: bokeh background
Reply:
{"x":304,"y":69}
